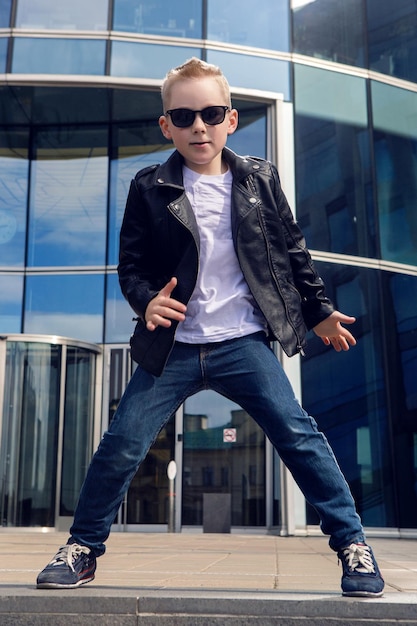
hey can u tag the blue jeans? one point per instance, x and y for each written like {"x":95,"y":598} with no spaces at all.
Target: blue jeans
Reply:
{"x":246,"y":371}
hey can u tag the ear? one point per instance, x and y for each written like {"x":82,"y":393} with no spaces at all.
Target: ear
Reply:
{"x":164,"y":126}
{"x":233,"y":121}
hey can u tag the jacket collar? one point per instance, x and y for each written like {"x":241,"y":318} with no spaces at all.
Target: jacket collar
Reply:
{"x":170,"y":172}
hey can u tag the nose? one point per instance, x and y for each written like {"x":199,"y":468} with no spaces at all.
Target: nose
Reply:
{"x":198,"y":123}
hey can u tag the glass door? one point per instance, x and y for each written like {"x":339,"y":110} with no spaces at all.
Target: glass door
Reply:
{"x":29,"y":434}
{"x":147,"y":500}
{"x":48,"y":404}
{"x":223,"y":452}
{"x":80,"y":380}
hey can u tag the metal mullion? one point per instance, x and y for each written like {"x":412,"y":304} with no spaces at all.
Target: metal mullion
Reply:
{"x":60,"y":446}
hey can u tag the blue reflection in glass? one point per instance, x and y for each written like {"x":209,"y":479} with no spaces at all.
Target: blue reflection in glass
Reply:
{"x":346,"y":393}
{"x":330,"y":95}
{"x":333,"y":162}
{"x":395,"y":147}
{"x":119,"y":323}
{"x":68,"y":202}
{"x":396,"y":167}
{"x":13,"y":198}
{"x":330,"y":30}
{"x":161,"y":17}
{"x":249,"y":138}
{"x":240,"y":22}
{"x":3,"y":54}
{"x":253,"y":72}
{"x":392,"y":36}
{"x":61,"y":14}
{"x":5,"y":13}
{"x":67,"y":305}
{"x":58,"y":56}
{"x":404,"y":297}
{"x":147,"y":60}
{"x":401,"y":315}
{"x":11,"y":289}
{"x":334,"y":186}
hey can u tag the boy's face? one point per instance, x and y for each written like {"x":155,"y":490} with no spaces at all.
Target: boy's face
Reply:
{"x":200,"y":144}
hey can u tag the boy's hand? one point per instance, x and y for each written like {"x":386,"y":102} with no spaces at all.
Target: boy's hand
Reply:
{"x":333,"y":333}
{"x":162,"y":309}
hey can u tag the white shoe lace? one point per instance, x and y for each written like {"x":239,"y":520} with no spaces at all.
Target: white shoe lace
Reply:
{"x":68,"y":554}
{"x":359,"y":558}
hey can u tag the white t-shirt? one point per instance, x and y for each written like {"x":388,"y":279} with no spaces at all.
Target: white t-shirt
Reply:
{"x":221,"y":306}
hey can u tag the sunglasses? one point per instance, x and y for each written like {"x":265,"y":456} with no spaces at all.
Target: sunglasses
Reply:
{"x":182,"y":118}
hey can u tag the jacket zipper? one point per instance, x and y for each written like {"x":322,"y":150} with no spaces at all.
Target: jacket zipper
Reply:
{"x":171,"y":209}
{"x":299,"y":346}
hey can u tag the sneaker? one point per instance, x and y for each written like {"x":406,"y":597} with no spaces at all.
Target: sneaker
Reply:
{"x":72,"y":566}
{"x":361,"y":575}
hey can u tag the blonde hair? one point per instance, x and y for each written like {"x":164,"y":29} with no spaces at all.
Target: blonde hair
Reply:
{"x":194,"y":68}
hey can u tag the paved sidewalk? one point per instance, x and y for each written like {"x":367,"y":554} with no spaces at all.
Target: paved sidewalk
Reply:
{"x":224,"y":570}
{"x":209,"y":561}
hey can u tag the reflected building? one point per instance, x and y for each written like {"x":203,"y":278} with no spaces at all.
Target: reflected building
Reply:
{"x":327,"y":89}
{"x":224,"y":459}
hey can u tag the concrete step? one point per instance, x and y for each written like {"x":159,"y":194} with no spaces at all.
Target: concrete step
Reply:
{"x":21,"y":606}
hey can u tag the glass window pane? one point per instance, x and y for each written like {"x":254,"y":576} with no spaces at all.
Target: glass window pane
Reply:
{"x":61,"y":14}
{"x":75,"y":105}
{"x":119,"y":315}
{"x":237,"y":22}
{"x":78,"y":423}
{"x":15,"y":101}
{"x":14,"y":169}
{"x":133,"y":59}
{"x":392,"y":36}
{"x":68,"y":198}
{"x":329,"y":30}
{"x":395,"y":146}
{"x":250,"y":137}
{"x":138,"y":105}
{"x":324,"y":94}
{"x":11,"y":289}
{"x":65,"y":305}
{"x":29,"y":442}
{"x":163,"y":17}
{"x":5,"y":13}
{"x":3,"y":54}
{"x":58,"y":56}
{"x":403,"y":292}
{"x":387,"y":101}
{"x":333,"y":164}
{"x":212,"y":464}
{"x":346,"y":393}
{"x":401,"y":315}
{"x":253,"y":72}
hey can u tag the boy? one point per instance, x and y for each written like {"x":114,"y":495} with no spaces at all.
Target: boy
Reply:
{"x":215,"y":267}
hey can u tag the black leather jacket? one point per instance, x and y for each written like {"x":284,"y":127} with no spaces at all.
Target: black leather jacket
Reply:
{"x":159,"y":239}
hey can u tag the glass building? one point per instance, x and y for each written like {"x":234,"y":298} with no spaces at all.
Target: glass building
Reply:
{"x":327,"y":89}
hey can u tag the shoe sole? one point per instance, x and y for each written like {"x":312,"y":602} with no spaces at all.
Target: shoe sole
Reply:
{"x":63,"y":586}
{"x":362,"y":594}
